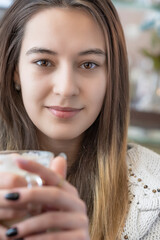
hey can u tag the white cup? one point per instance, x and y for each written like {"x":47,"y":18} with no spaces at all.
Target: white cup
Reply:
{"x":8,"y":165}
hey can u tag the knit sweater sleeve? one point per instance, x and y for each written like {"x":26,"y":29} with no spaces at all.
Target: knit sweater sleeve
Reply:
{"x":143,"y":220}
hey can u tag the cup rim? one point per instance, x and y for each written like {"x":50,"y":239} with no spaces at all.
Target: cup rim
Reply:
{"x":25,"y":151}
{"x":45,"y":153}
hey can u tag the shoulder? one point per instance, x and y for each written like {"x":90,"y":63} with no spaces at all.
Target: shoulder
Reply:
{"x":144,"y":162}
{"x":143,"y":220}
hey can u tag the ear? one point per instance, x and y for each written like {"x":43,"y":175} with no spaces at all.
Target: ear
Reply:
{"x":16,"y":76}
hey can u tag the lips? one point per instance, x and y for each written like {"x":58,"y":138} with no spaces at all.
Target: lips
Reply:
{"x":64,"y":112}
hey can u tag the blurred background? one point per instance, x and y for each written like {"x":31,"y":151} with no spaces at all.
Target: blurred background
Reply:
{"x":141,"y":24}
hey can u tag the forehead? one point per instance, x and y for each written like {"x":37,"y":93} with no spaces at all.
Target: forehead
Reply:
{"x":63,"y":27}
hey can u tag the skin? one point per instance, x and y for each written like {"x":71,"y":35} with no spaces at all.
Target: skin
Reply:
{"x":68,"y":74}
{"x":62,"y":79}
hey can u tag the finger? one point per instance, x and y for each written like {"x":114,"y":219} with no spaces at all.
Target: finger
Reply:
{"x":9,"y":180}
{"x":12,"y":213}
{"x":49,"y":176}
{"x":37,"y":168}
{"x":51,"y":196}
{"x":52,"y":220}
{"x":62,"y":235}
{"x":59,"y":165}
{"x":2,"y":232}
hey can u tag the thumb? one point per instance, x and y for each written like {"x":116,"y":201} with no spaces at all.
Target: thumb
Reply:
{"x":59,"y":165}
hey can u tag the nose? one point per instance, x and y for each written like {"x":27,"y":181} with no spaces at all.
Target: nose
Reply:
{"x":65,"y":82}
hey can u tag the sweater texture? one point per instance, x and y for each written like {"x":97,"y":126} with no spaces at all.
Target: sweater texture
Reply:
{"x":143,"y":219}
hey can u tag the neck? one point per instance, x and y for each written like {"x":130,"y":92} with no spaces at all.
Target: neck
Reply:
{"x":69,"y":147}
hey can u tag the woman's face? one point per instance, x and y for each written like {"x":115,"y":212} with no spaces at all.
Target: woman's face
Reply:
{"x":62,"y":72}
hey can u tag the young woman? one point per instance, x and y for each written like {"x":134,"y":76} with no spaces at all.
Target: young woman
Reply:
{"x":64,"y":88}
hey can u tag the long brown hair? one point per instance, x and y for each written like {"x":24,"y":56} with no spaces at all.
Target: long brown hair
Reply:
{"x":99,"y":172}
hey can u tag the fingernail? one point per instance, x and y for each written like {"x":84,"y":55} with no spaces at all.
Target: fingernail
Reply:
{"x":63,"y":155}
{"x":11,"y":232}
{"x":22,"y":161}
{"x":19,"y":239}
{"x":12,"y":196}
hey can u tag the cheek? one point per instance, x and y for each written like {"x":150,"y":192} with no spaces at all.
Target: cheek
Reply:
{"x":97,"y":92}
{"x":33,"y":88}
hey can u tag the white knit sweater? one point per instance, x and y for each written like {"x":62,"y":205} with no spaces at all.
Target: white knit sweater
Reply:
{"x":143,"y":220}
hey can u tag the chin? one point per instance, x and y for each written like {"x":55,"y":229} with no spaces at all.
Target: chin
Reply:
{"x":63,"y":136}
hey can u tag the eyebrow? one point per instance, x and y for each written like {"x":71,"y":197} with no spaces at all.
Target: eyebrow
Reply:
{"x":94,"y":51}
{"x":40,"y":50}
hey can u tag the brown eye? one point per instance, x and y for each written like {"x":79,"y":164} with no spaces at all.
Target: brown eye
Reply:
{"x":44,"y":63}
{"x":89,"y":65}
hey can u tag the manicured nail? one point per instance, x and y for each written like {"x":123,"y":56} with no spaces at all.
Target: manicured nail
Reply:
{"x":11,"y":232}
{"x":63,"y":155}
{"x":12,"y":196}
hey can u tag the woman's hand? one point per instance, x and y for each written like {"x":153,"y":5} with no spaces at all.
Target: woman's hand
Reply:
{"x":9,"y":181}
{"x":64,"y":216}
